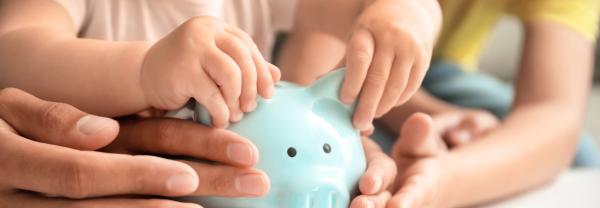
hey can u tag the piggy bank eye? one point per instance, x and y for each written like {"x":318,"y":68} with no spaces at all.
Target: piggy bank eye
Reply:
{"x":291,"y":152}
{"x":326,"y":148}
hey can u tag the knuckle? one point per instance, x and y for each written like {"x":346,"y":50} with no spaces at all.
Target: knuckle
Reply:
{"x":360,"y":53}
{"x":214,"y":96}
{"x":196,"y":24}
{"x":51,"y":114}
{"x":9,"y":93}
{"x":397,"y":29}
{"x":77,"y":179}
{"x":376,"y":77}
{"x":220,"y":185}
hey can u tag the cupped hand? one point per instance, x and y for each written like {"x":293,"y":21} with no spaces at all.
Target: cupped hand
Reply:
{"x":46,"y":159}
{"x":228,"y":159}
{"x":388,"y":54}
{"x":380,"y":174}
{"x":46,"y":162}
{"x":424,"y":170}
{"x":216,"y":64}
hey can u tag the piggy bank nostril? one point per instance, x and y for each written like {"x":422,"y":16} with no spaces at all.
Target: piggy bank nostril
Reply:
{"x":291,"y":152}
{"x":326,"y":148}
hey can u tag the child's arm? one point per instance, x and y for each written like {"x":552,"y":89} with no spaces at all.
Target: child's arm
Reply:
{"x":538,"y":138}
{"x":389,"y":45}
{"x":205,"y":59}
{"x":41,"y":54}
{"x":317,"y":41}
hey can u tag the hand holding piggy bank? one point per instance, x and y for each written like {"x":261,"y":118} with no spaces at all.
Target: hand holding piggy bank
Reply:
{"x":308,"y":147}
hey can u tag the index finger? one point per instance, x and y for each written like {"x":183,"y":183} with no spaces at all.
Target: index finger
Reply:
{"x":358,"y":59}
{"x":61,"y":171}
{"x":185,"y":138}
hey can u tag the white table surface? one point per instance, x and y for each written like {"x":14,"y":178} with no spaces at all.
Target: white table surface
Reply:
{"x":578,"y":188}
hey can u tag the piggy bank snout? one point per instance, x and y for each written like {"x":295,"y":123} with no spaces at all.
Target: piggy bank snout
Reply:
{"x":323,"y":196}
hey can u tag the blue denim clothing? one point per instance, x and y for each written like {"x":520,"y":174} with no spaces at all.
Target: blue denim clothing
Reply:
{"x":450,"y":83}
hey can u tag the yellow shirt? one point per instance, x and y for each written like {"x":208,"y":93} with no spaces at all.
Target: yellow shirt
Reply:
{"x":468,"y":23}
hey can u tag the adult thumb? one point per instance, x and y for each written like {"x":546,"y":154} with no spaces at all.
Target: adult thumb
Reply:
{"x":55,"y":123}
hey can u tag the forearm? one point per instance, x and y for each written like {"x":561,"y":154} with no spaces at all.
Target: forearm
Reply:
{"x":305,"y":56}
{"x":99,"y":77}
{"x":533,"y":145}
{"x":539,"y":137}
{"x":317,"y":41}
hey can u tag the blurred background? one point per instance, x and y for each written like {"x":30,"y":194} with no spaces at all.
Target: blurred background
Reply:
{"x":501,"y":59}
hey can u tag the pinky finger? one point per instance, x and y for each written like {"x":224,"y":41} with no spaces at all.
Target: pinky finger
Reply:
{"x":264,"y":70}
{"x":266,"y":83}
{"x":275,"y":73}
{"x":416,"y":76}
{"x":214,"y":103}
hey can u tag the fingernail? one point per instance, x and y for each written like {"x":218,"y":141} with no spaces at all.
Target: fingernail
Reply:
{"x":369,"y":203}
{"x":251,"y":184}
{"x":270,"y":91}
{"x":346,"y":99}
{"x":362,"y":124}
{"x":183,"y":183}
{"x":377,"y":183}
{"x":251,"y":106}
{"x":91,"y":124}
{"x":240,"y":153}
{"x":237,"y":116}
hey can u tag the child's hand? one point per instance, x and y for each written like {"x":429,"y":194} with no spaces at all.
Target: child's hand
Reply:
{"x":388,"y":55}
{"x":212,"y":62}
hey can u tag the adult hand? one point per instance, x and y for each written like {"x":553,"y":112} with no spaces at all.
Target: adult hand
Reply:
{"x":379,"y":175}
{"x":230,"y":171}
{"x":35,"y":167}
{"x":388,"y":54}
{"x":423,"y":168}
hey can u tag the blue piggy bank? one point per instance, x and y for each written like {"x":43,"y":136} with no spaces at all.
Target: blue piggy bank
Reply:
{"x":308,"y":147}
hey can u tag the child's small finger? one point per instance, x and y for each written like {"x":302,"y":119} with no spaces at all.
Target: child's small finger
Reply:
{"x":214,"y":103}
{"x":416,"y":76}
{"x":267,"y":74}
{"x":396,"y":84}
{"x":358,"y":59}
{"x":225,"y":72}
{"x":243,"y":55}
{"x":266,"y":85}
{"x":275,"y":73}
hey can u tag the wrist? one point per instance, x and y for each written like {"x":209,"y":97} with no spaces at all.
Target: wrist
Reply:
{"x":140,"y":86}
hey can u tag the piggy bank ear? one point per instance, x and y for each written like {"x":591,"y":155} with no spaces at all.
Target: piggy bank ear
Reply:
{"x":329,"y":86}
